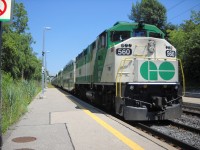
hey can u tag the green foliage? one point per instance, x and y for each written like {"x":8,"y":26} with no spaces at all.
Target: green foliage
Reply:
{"x":18,"y":63}
{"x":20,"y":19}
{"x":169,"y":26}
{"x":187,"y":41}
{"x":16,"y":95}
{"x":150,"y":11}
{"x":18,"y":58}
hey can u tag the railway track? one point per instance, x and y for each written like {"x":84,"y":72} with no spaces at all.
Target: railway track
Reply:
{"x":175,"y":133}
{"x":182,"y":136}
{"x":191,"y":106}
{"x":193,"y":110}
{"x":186,"y":127}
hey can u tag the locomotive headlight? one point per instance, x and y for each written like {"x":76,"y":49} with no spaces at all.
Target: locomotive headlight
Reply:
{"x":132,"y":87}
{"x":151,"y":46}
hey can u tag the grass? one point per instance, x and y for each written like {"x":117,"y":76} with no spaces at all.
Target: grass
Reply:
{"x":50,"y":85}
{"x":16,"y":96}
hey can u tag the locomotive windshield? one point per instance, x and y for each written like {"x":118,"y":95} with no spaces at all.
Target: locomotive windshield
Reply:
{"x":119,"y":35}
{"x":156,"y":35}
{"x":143,"y":33}
{"x":139,"y":33}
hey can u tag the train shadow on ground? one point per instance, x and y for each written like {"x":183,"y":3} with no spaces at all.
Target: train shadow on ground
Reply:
{"x":84,"y":105}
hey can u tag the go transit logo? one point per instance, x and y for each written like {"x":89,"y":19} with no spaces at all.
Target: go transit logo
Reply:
{"x":149,"y":70}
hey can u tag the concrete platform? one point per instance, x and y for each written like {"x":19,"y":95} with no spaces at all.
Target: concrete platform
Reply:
{"x":60,"y":121}
{"x":195,"y":101}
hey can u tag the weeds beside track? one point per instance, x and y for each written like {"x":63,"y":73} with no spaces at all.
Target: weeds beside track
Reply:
{"x":16,"y":95}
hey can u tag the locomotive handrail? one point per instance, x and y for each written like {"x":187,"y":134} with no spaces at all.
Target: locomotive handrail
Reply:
{"x":173,"y":99}
{"x":136,"y":100}
{"x":119,"y":74}
{"x":181,"y":65}
{"x":124,"y":72}
{"x":182,"y":72}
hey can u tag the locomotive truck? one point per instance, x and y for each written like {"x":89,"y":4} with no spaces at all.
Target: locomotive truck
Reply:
{"x":130,"y":68}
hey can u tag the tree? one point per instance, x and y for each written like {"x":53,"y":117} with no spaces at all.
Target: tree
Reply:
{"x":20,"y":19}
{"x":18,"y":58}
{"x":186,"y":40}
{"x":150,"y":11}
{"x":169,"y":27}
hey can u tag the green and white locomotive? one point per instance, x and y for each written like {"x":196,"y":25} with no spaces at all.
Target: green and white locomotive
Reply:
{"x":130,"y":68}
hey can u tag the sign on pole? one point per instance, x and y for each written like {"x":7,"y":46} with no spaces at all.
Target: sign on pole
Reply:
{"x":5,"y":16}
{"x":5,"y":10}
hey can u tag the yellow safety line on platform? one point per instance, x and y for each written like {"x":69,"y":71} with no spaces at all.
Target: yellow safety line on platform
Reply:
{"x":119,"y":135}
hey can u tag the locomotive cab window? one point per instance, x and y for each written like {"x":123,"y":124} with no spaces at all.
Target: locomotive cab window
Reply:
{"x":119,"y":35}
{"x":93,"y":45}
{"x":102,"y":40}
{"x":139,"y":33}
{"x":85,"y":52}
{"x":156,"y":35}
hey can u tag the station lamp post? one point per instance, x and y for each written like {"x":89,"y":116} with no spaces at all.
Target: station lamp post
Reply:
{"x":46,"y":68}
{"x":43,"y":55}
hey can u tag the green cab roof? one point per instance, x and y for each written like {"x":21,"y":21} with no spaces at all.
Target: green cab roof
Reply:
{"x":127,"y":26}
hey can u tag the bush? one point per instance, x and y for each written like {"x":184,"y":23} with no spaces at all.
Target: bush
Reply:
{"x":16,"y":95}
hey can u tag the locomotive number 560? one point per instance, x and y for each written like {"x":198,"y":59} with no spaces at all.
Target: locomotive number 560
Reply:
{"x":123,"y":51}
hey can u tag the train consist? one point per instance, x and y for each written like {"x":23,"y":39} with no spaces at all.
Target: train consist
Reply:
{"x":130,"y":68}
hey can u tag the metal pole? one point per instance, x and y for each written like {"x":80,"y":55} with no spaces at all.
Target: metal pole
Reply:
{"x":43,"y":69}
{"x":43,"y":63}
{"x":1,"y":140}
{"x":45,"y":52}
{"x":46,"y":67}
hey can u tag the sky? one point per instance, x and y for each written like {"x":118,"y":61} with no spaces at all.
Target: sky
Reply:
{"x":75,"y":24}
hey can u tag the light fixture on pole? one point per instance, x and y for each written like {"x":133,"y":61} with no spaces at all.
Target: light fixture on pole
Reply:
{"x":43,"y":53}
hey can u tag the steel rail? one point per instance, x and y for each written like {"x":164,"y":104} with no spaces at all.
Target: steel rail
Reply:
{"x":188,"y":128}
{"x":189,"y":112}
{"x":194,"y":107}
{"x":166,"y":137}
